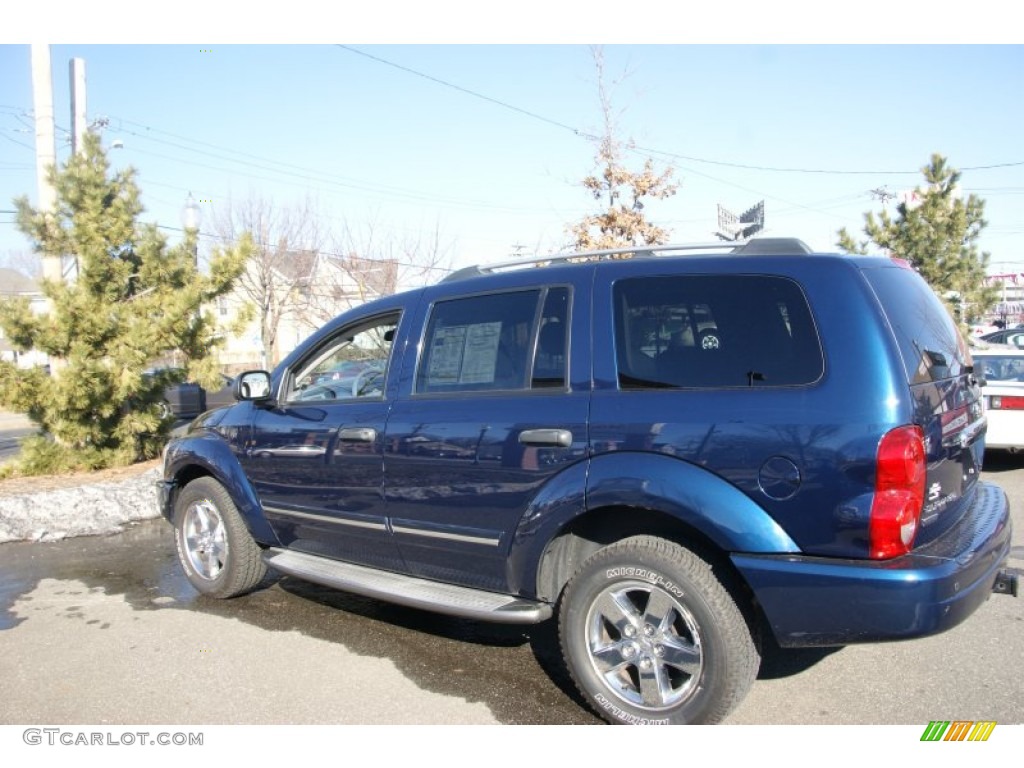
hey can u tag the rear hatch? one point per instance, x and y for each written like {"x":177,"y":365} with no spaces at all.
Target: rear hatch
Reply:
{"x":946,"y":396}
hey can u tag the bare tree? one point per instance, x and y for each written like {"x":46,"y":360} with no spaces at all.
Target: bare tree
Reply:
{"x":416,"y":259}
{"x":27,"y":263}
{"x":368,"y":261}
{"x":288,"y":242}
{"x":618,"y":190}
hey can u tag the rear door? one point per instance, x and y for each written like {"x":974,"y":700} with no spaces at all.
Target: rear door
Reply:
{"x":943,"y":388}
{"x":494,"y":413}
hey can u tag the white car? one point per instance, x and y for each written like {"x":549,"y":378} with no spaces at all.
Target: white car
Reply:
{"x":1002,"y":371}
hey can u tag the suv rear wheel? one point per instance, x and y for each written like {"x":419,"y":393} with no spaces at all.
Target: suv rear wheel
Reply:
{"x":651,"y":635}
{"x":219,"y":556}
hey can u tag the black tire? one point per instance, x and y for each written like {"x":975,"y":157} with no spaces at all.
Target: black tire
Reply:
{"x":650,"y":635}
{"x":219,"y":556}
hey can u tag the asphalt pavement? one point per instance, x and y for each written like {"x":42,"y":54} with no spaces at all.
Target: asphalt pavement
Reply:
{"x":13,"y":427}
{"x":107,"y":630}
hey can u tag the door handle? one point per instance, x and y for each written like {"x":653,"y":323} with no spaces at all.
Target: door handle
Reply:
{"x":561,"y":438}
{"x":357,"y":434}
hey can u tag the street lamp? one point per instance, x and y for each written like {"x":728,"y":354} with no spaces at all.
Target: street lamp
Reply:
{"x":190,"y":216}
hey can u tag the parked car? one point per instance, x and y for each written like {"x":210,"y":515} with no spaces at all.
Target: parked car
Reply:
{"x":1012,"y":336}
{"x":346,"y":369}
{"x":978,"y":331}
{"x":348,"y":378}
{"x":1002,"y":373}
{"x":224,"y":395}
{"x":186,"y":399}
{"x":668,"y":451}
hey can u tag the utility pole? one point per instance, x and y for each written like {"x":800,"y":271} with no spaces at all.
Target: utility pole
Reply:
{"x":79,"y":127}
{"x":78,"y":111}
{"x":46,"y":152}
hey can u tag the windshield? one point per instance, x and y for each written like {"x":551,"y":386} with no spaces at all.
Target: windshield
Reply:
{"x":999,"y":368}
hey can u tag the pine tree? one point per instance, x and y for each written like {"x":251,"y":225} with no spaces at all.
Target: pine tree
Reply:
{"x":937,"y":235}
{"x":133,"y":301}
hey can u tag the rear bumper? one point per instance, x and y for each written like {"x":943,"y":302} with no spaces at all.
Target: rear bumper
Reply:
{"x":816,"y":601}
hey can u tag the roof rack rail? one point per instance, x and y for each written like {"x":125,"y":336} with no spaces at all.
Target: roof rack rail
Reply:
{"x":773,"y":246}
{"x":756,"y":247}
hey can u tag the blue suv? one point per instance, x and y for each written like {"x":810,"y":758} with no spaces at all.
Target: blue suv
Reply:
{"x":668,"y":450}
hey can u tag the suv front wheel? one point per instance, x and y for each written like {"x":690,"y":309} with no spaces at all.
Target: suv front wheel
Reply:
{"x":219,"y":556}
{"x":650,"y":635}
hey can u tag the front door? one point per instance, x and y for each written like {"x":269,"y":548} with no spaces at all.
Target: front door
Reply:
{"x":315,"y":456}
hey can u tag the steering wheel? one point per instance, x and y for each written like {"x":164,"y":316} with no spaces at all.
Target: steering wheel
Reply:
{"x":318,"y":392}
{"x":364,"y":380}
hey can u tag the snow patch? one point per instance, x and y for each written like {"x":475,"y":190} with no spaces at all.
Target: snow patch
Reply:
{"x":86,"y":510}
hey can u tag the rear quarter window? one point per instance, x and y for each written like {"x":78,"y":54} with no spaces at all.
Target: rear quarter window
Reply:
{"x":714,"y":331}
{"x":929,"y":342}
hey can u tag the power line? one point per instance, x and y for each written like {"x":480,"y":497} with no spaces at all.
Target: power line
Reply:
{"x":304,"y":174}
{"x":676,"y":155}
{"x":308,"y":175}
{"x":467,"y":91}
{"x":575,"y":131}
{"x":419,"y":197}
{"x":15,"y":141}
{"x":817,"y":170}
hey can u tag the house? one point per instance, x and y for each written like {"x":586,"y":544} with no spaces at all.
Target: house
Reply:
{"x":301,"y":290}
{"x":1010,"y":308}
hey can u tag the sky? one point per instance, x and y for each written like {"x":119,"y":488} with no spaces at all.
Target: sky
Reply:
{"x":481,"y":148}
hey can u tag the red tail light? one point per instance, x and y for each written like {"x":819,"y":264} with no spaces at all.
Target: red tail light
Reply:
{"x":1007,"y":403}
{"x":899,"y":492}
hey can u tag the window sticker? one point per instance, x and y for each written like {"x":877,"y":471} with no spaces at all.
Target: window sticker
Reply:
{"x":464,"y":354}
{"x":481,"y":356}
{"x":446,"y":350}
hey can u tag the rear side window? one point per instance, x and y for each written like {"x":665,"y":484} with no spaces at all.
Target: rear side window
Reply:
{"x":714,"y":331}
{"x":929,"y":343}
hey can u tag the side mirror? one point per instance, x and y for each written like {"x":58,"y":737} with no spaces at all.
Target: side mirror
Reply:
{"x":253,"y":385}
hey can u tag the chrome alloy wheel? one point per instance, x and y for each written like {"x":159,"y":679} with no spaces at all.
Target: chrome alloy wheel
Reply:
{"x":644,"y":644}
{"x":205,"y":539}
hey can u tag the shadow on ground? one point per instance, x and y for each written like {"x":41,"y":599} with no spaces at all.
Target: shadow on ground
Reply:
{"x":517,"y":671}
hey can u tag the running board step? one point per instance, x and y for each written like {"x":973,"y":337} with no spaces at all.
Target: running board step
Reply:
{"x":408,"y":590}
